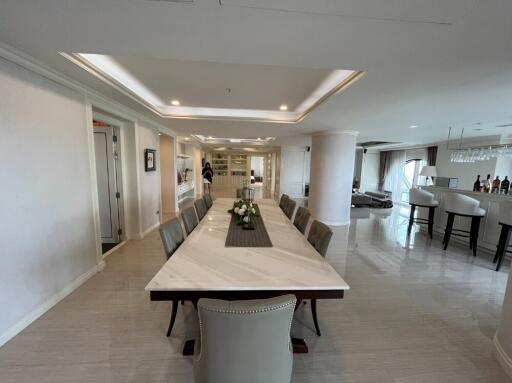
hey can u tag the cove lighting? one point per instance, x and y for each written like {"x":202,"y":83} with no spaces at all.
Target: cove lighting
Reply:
{"x":110,"y":71}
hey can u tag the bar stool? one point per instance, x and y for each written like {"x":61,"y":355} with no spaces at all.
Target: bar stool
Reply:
{"x":422,"y":198}
{"x":505,"y":220}
{"x":463,"y":206}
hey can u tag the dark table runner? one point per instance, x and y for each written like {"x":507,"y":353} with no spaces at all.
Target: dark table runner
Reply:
{"x":238,"y":237}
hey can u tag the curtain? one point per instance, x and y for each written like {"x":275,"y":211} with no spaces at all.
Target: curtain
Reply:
{"x":431,"y":155}
{"x":385,"y":158}
{"x":394,"y":179}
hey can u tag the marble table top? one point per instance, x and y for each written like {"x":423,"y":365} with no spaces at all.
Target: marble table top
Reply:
{"x":203,"y":263}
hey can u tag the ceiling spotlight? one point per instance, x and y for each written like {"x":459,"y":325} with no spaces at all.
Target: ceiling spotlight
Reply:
{"x":210,"y":137}
{"x":283,"y":107}
{"x":413,"y":126}
{"x":259,"y":138}
{"x":175,"y":102}
{"x":186,"y":138}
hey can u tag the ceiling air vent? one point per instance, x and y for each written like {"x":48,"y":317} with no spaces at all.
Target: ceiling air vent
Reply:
{"x":369,"y":144}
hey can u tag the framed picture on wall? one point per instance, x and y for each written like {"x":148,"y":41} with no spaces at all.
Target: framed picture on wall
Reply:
{"x":150,"y":160}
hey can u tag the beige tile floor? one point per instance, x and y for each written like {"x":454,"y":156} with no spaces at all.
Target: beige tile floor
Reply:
{"x":414,"y":314}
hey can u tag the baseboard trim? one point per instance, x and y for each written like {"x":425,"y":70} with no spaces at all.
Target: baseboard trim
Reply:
{"x":115,"y":248}
{"x":504,"y":360}
{"x":45,"y":306}
{"x":336,"y":223}
{"x":149,"y":230}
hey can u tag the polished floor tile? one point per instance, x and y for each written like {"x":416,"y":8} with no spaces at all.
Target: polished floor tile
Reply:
{"x":414,"y":313}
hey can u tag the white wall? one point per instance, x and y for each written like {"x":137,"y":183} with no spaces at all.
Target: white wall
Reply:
{"x":148,"y":138}
{"x":47,"y":228}
{"x":370,"y":172}
{"x":466,"y":173}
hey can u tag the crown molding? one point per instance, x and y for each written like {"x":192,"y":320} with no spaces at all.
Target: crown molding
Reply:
{"x":97,"y":99}
{"x":336,"y":132}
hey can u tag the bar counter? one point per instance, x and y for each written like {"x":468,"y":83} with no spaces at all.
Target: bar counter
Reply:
{"x":489,"y":227}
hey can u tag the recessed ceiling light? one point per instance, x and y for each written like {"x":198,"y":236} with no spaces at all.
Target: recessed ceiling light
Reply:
{"x":413,"y":126}
{"x":259,"y":138}
{"x":283,"y":107}
{"x":175,"y":102}
{"x":210,"y":137}
{"x":186,"y":138}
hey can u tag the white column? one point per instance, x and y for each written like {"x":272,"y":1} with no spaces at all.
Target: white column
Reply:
{"x":332,"y":172}
{"x":503,"y":338}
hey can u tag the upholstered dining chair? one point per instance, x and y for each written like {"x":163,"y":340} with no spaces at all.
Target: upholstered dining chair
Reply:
{"x":289,"y":208}
{"x":319,"y":236}
{"x":244,"y":341}
{"x":208,"y":201}
{"x":189,"y":218}
{"x":282,"y":201}
{"x":301,"y":219}
{"x":200,"y":208}
{"x":172,"y":237}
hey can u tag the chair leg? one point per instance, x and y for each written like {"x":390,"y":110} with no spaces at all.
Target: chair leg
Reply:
{"x":173,"y":317}
{"x":501,"y":244}
{"x":411,"y":219}
{"x":504,"y":249}
{"x":315,"y":317}
{"x":475,"y":234}
{"x":448,"y":230}
{"x":431,"y":212}
{"x":472,"y":233}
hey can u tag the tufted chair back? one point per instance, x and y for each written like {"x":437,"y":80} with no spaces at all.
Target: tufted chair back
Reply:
{"x":244,"y":341}
{"x":172,"y":236}
{"x":189,"y":218}
{"x":319,"y":236}
{"x":301,"y":219}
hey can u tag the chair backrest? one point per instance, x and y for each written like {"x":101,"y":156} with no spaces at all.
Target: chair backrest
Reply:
{"x":282,"y":201}
{"x":421,"y":197}
{"x":289,"y":208}
{"x":301,"y":219}
{"x":319,"y":236}
{"x":189,"y":218}
{"x":244,"y":341}
{"x":172,"y":236}
{"x":200,"y":208}
{"x":208,"y":201}
{"x":238,"y":193}
{"x":461,"y":204}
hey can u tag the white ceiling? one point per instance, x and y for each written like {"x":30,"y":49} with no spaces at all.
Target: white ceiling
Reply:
{"x":205,"y":84}
{"x":430,"y":63}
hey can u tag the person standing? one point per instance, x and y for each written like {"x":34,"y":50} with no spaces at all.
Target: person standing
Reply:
{"x":207,"y":177}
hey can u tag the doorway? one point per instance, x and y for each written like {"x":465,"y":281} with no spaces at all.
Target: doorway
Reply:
{"x":108,"y":177}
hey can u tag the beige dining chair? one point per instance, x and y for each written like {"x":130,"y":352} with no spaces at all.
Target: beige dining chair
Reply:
{"x":244,"y":341}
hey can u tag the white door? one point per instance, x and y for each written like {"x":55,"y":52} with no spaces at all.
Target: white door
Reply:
{"x":108,"y":196}
{"x":293,"y":165}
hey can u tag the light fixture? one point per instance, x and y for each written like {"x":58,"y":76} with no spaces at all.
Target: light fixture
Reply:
{"x":259,"y":138}
{"x":210,"y":137}
{"x":428,"y":171}
{"x":175,"y":102}
{"x":283,"y":107}
{"x":413,"y":126}
{"x":186,"y":138}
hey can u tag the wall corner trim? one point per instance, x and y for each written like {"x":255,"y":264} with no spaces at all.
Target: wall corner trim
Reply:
{"x":504,"y":359}
{"x":48,"y":304}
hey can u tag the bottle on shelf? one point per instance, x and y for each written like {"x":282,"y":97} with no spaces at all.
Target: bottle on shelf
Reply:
{"x":505,"y":186}
{"x":477,"y":185}
{"x":487,"y":184}
{"x":496,"y":185}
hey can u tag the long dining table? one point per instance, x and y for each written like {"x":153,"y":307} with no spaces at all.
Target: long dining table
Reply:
{"x":203,"y":267}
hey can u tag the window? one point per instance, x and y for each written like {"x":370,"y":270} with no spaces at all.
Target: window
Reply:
{"x":412,"y":170}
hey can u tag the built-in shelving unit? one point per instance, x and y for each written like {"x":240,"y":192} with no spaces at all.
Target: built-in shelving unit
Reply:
{"x":230,"y":169}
